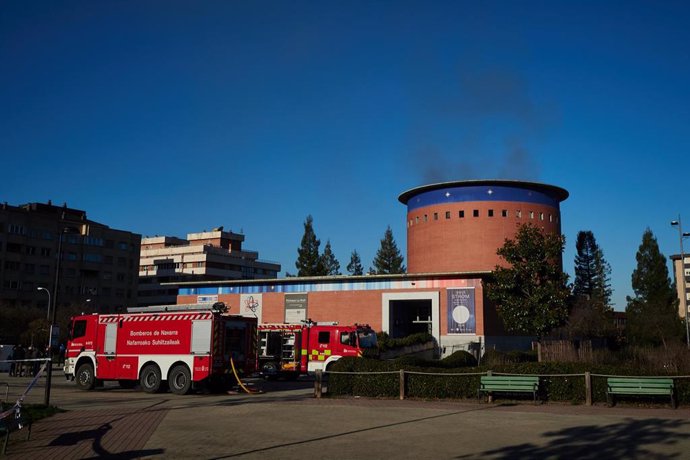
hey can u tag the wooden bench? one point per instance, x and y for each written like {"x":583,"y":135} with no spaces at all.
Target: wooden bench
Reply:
{"x":642,"y":386}
{"x":491,"y":384}
{"x":11,"y":423}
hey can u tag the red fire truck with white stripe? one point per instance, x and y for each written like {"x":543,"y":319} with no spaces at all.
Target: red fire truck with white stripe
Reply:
{"x":289,"y":350}
{"x":182,"y":346}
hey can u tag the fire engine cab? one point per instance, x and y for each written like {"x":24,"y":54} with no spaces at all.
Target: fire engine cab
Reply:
{"x":289,"y":350}
{"x":178,"y":345}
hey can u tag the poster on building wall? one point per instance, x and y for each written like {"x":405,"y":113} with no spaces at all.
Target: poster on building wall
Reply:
{"x":295,"y":308}
{"x":461,"y":317}
{"x":250,"y":305}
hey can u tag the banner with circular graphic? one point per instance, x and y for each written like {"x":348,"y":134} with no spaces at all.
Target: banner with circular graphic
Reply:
{"x":461,"y":318}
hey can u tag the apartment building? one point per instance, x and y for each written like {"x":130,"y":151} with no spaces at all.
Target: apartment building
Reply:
{"x":204,"y":256}
{"x":681,"y":275}
{"x":97,"y":264}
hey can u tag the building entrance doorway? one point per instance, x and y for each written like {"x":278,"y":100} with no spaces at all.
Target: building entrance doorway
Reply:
{"x":406,"y":313}
{"x":410,"y":317}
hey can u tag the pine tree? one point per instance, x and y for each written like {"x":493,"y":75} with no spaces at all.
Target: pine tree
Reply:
{"x":652,"y":315}
{"x":591,"y":312}
{"x":330,"y":264}
{"x":388,"y":259}
{"x":592,"y":272}
{"x":355,"y":265}
{"x":531,"y":293}
{"x":308,"y":261}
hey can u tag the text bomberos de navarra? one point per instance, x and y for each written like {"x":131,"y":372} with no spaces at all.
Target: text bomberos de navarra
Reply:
{"x":167,"y":339}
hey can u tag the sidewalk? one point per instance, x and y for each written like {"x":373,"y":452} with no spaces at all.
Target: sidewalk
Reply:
{"x":283,"y":426}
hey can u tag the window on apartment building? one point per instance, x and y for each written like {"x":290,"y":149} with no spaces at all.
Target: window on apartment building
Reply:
{"x":461,"y":214}
{"x":47,"y":235}
{"x":122,"y":245}
{"x":531,"y":214}
{"x":10,"y":284}
{"x":416,"y":219}
{"x":475,"y":213}
{"x":518,"y":214}
{"x":14,"y":247}
{"x":447,"y":214}
{"x":31,"y":250}
{"x":109,"y":244}
{"x":504,"y":213}
{"x":45,"y":252}
{"x":121,"y":262}
{"x":541,"y":216}
{"x":16,"y":229}
{"x":93,"y":241}
{"x":435,"y":216}
{"x":426,"y":218}
{"x":30,"y":268}
{"x":107,"y":275}
{"x":71,"y":238}
{"x":71,"y":272}
{"x":90,"y":257}
{"x":108,"y":260}
{"x":71,"y":256}
{"x":12,"y":265}
{"x":43,"y":269}
{"x":491,"y":213}
{"x":121,"y":277}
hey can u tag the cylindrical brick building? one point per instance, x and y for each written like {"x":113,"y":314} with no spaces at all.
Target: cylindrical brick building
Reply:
{"x":458,"y":226}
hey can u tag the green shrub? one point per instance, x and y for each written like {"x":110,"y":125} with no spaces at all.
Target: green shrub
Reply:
{"x":386,"y":343}
{"x":459,"y":359}
{"x":432,"y":380}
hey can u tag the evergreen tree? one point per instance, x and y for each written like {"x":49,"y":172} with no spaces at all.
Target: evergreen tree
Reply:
{"x":531,"y":292}
{"x":592,"y":272}
{"x":309,"y":262}
{"x":330,"y":264}
{"x":652,"y":315}
{"x":388,"y":259}
{"x":355,"y":265}
{"x":591,"y":313}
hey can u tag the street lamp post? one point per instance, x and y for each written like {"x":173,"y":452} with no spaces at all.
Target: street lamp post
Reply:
{"x":49,"y":374}
{"x":48,"y":314}
{"x":684,"y":301}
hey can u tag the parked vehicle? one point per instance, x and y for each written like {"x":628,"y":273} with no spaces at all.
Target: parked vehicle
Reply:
{"x":181,"y":346}
{"x":290,"y":350}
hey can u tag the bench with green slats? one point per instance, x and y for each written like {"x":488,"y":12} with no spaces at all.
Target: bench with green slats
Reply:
{"x":639,"y":386}
{"x":491,"y":384}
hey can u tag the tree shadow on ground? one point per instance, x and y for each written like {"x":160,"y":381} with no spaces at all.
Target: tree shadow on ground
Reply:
{"x":632,"y":438}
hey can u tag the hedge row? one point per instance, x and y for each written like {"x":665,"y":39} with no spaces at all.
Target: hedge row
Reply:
{"x":553,"y":385}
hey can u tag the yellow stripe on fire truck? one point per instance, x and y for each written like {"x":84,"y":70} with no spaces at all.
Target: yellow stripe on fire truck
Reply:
{"x":320,"y":356}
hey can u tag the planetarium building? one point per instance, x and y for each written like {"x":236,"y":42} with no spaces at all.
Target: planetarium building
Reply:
{"x":453,"y":232}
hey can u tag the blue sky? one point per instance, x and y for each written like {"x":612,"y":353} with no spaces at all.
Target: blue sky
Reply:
{"x":174,"y":117}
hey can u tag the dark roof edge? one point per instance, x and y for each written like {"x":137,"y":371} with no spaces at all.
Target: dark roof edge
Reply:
{"x":560,"y":193}
{"x":325,"y":279}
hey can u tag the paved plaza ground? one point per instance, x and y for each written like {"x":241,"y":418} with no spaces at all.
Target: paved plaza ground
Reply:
{"x":286,"y":422}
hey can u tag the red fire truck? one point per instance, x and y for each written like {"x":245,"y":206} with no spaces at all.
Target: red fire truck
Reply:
{"x":288,"y":350}
{"x":178,"y":345}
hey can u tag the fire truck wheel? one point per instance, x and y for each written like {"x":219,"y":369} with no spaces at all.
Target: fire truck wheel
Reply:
{"x":180,"y":380}
{"x":85,"y":377}
{"x":150,"y":379}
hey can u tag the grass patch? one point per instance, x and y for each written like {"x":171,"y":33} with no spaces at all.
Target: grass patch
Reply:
{"x":36,"y":412}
